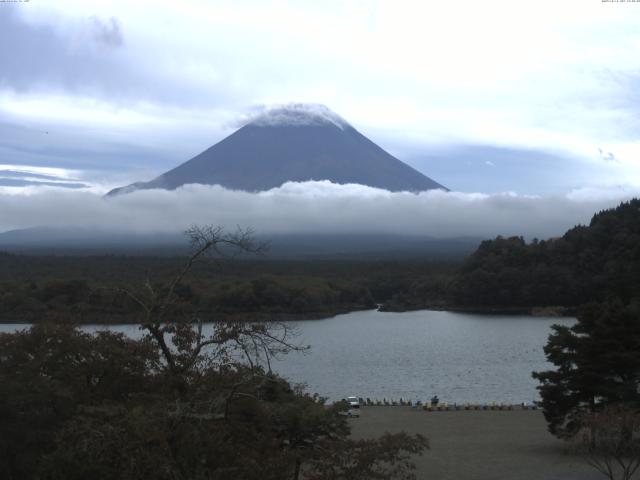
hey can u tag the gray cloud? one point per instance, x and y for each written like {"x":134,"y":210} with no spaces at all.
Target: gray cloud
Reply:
{"x":44,"y":59}
{"x":21,"y":177}
{"x":525,"y":171}
{"x":21,"y":174}
{"x":108,"y":32}
{"x":309,"y":207}
{"x":607,"y":156}
{"x":21,"y":182}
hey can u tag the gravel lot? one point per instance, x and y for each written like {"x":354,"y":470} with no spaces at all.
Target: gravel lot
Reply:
{"x":492,"y":445}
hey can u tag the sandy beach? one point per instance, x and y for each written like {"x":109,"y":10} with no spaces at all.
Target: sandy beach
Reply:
{"x":491,"y":445}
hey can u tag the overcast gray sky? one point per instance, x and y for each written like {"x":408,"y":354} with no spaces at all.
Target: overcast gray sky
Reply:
{"x":516,"y":101}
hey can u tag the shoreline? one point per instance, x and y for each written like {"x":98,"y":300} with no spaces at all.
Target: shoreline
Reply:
{"x":124,"y":319}
{"x":534,"y":311}
{"x":452,"y":407}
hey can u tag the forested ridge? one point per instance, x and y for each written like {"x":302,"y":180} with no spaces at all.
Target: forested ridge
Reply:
{"x":87,"y":289}
{"x":587,"y":263}
{"x":264,"y":297}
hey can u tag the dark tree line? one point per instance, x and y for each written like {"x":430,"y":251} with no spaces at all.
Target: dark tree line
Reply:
{"x":588,"y":263}
{"x":36,"y":287}
{"x":262,"y":297}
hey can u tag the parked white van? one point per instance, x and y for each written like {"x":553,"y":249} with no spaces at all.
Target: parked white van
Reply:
{"x":354,"y":407}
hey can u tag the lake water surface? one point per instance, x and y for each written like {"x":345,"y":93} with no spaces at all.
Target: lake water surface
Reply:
{"x":459,"y":357}
{"x":414,"y":355}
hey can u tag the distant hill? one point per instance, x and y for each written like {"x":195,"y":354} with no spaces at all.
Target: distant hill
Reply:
{"x":587,"y":263}
{"x":58,"y":241}
{"x":298,"y":142}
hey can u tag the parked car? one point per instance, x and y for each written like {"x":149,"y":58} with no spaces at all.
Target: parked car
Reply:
{"x":354,"y":407}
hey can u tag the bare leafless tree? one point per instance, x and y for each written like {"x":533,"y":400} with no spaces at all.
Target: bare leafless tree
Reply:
{"x":179,"y":333}
{"x":610,"y":441}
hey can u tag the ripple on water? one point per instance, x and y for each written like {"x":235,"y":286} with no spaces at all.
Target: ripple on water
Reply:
{"x":414,"y":355}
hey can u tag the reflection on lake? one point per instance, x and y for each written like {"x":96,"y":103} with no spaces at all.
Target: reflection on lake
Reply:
{"x":459,"y":357}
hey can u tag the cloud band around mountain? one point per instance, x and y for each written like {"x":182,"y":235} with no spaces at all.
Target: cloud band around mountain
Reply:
{"x":308,"y":207}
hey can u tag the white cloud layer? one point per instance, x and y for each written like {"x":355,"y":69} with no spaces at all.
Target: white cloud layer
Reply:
{"x":309,"y":207}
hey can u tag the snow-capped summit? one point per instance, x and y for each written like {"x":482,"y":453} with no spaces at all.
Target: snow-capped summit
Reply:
{"x":296,"y":115}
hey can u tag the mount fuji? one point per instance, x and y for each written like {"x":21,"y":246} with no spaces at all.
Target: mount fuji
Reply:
{"x":292,"y":143}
